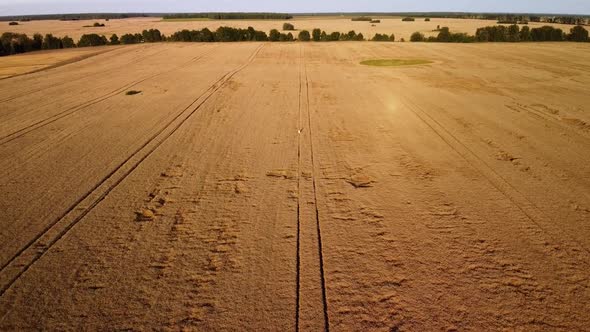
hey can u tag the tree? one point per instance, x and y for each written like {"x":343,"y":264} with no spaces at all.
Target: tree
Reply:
{"x":351,"y":35}
{"x":284,"y":37}
{"x":578,"y":34}
{"x":222,"y":34}
{"x":444,"y":36}
{"x":288,"y":27}
{"x":114,"y":39}
{"x":37,"y":42}
{"x":304,"y":36}
{"x":334,"y":36}
{"x":51,"y":43}
{"x":408,"y":19}
{"x":557,"y":35}
{"x":151,"y":35}
{"x":207,"y":35}
{"x":324,"y":36}
{"x":513,"y":33}
{"x":417,"y":37}
{"x":383,"y":37}
{"x":274,"y":35}
{"x":15,"y":43}
{"x":498,"y":33}
{"x":427,"y":19}
{"x":129,"y":39}
{"x":380,"y":37}
{"x":525,"y":34}
{"x":67,"y":42}
{"x":92,"y":40}
{"x":260,"y":36}
{"x":547,"y":33}
{"x":317,"y":34}
{"x":482,"y":35}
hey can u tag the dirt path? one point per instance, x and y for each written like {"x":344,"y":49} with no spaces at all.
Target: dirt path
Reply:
{"x":286,"y":187}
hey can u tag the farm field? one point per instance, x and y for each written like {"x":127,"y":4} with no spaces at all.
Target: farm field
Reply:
{"x":283,"y":186}
{"x":19,"y":65}
{"x":388,"y":26}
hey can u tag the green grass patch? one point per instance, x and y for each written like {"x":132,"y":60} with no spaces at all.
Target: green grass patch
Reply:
{"x":395,"y":62}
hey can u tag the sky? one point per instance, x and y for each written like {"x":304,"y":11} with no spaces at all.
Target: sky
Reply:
{"x":28,"y":7}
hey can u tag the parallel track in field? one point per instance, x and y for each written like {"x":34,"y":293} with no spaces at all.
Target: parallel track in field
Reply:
{"x":36,"y":248}
{"x":72,"y":110}
{"x":304,"y":103}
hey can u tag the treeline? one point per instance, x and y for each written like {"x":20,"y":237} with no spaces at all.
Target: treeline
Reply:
{"x":231,"y":16}
{"x":365,"y":19}
{"x":319,"y":35}
{"x":444,"y":36}
{"x":222,"y":34}
{"x":577,"y":20}
{"x":361,"y":19}
{"x":531,"y":17}
{"x":512,"y":33}
{"x":383,"y":37}
{"x":15,"y":43}
{"x":73,"y":17}
{"x":568,"y":19}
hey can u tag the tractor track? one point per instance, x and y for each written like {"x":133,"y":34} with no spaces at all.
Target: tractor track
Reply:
{"x":315,"y":199}
{"x":298,"y":256}
{"x":519,"y":200}
{"x":555,"y":120}
{"x":83,"y":206}
{"x":72,"y":110}
{"x":135,"y":60}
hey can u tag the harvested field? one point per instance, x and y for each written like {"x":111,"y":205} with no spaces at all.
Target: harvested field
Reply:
{"x":22,"y":64}
{"x":261,"y":186}
{"x":387,"y":26}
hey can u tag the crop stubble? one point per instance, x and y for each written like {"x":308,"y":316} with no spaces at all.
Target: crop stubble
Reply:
{"x":299,"y":189}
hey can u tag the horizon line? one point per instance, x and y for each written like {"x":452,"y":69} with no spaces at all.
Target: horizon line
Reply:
{"x":301,"y":13}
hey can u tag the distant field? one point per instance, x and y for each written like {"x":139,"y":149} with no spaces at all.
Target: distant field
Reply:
{"x":26,"y":63}
{"x":185,"y":19}
{"x":388,"y":25}
{"x":269,"y":186}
